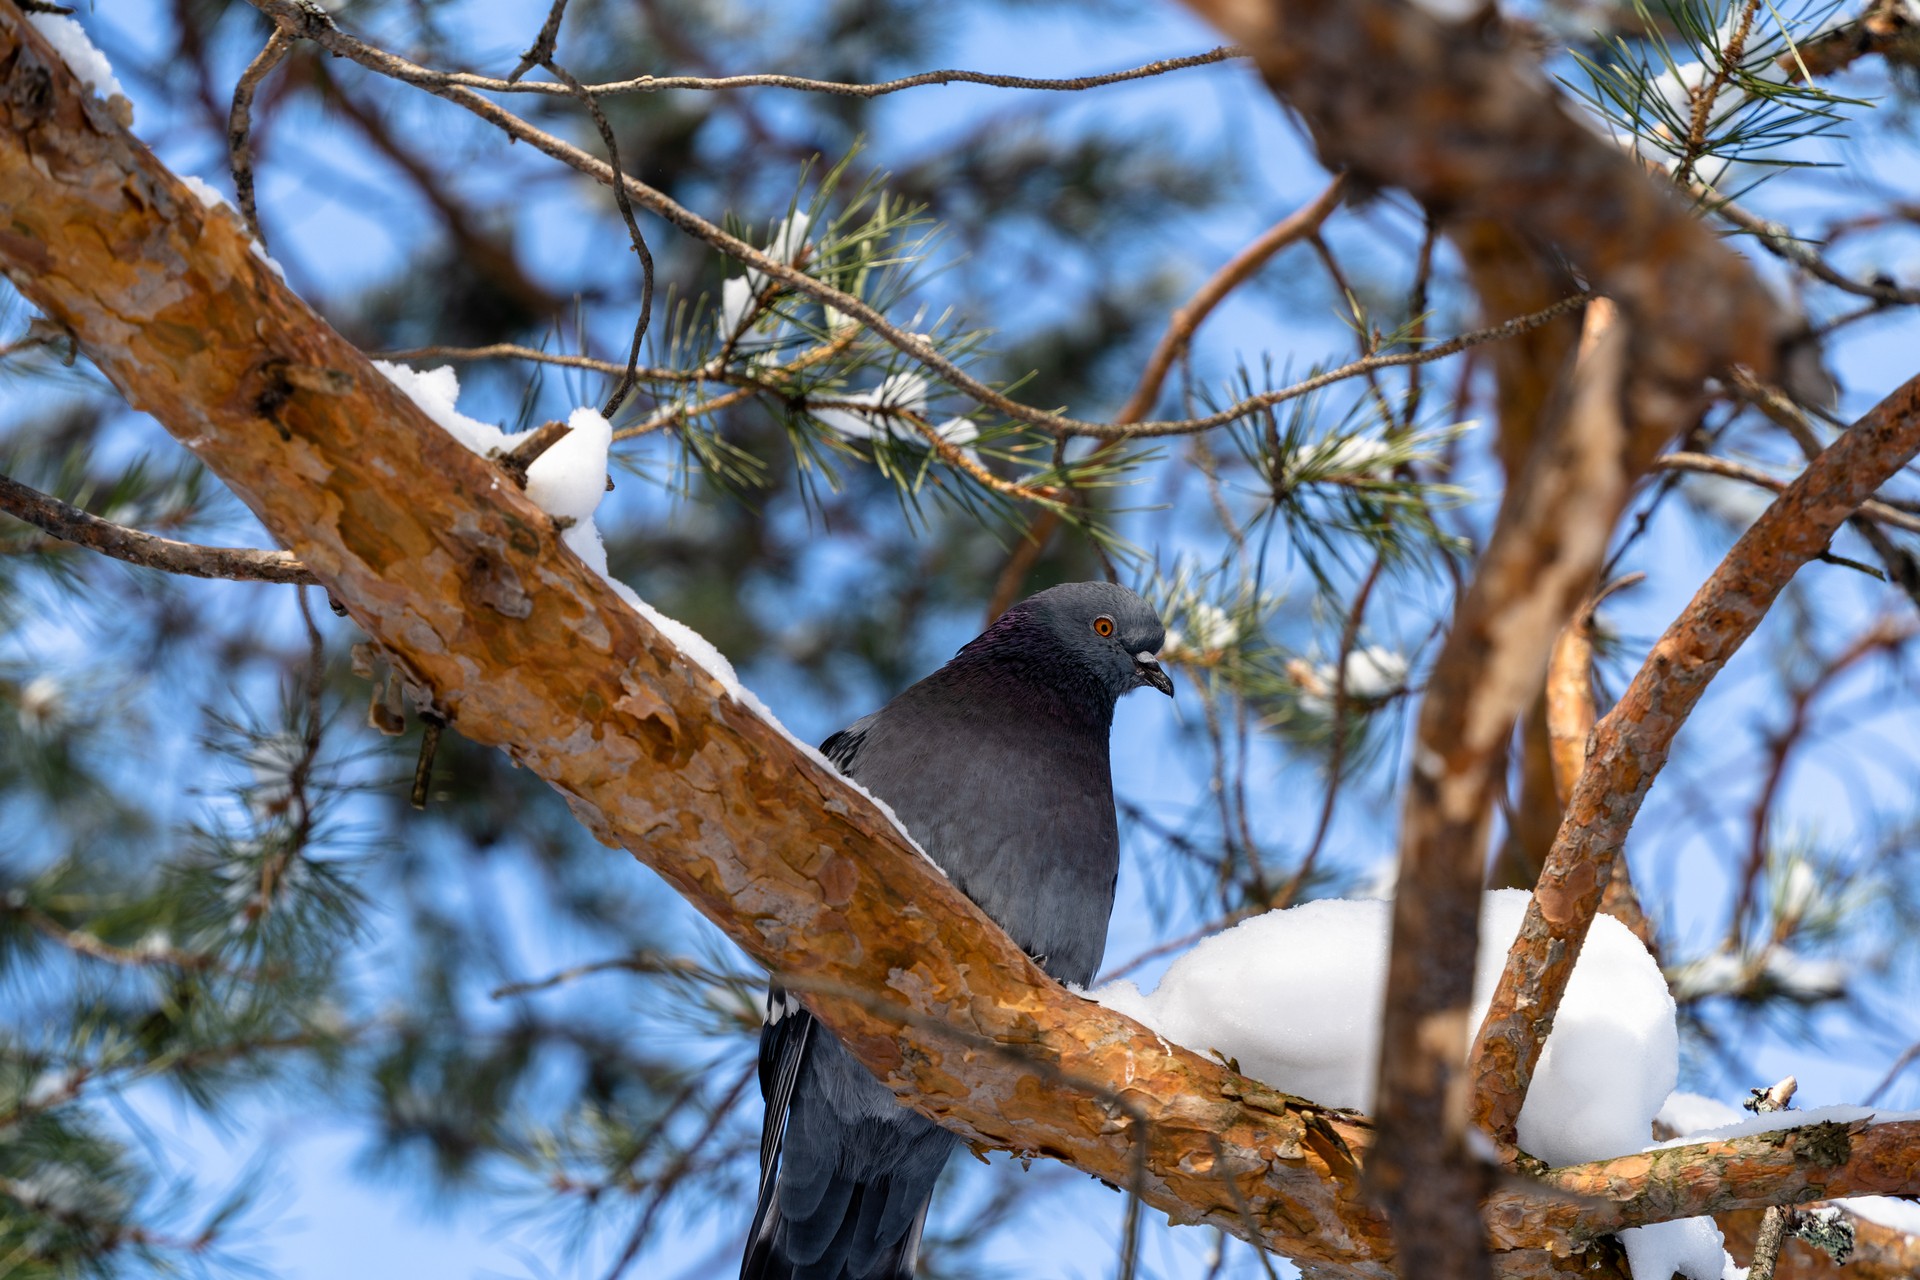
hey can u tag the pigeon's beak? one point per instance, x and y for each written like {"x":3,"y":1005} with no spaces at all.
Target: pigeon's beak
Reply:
{"x":1148,"y":672}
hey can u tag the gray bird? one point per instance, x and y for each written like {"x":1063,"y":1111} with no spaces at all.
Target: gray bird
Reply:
{"x":998,"y":765}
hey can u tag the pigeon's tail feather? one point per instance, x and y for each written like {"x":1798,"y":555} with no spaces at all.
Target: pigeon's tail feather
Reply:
{"x":858,"y":1231}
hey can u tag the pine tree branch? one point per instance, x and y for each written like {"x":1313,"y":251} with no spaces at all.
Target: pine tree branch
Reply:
{"x":467,"y":586}
{"x":1455,"y":114}
{"x":1632,"y":742}
{"x":70,"y":524}
{"x":1707,"y":464}
{"x":1794,"y":1166}
{"x":838,"y":88}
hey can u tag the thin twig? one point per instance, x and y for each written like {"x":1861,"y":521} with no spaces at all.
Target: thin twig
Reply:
{"x":71,"y":524}
{"x":540,"y":52}
{"x":83,"y":943}
{"x":1707,"y":464}
{"x":661,"y":84}
{"x":316,"y":25}
{"x":240,"y":125}
{"x":423,"y":765}
{"x":1703,"y":98}
{"x":1187,"y":318}
{"x":1173,"y":343}
{"x":516,"y":460}
{"x":1342,"y":700}
{"x":1779,"y":240}
{"x":545,"y":44}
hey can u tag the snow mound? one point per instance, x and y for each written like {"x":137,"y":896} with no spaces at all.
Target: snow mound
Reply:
{"x":1692,"y":1247}
{"x":1295,"y":998}
{"x":1901,"y":1215}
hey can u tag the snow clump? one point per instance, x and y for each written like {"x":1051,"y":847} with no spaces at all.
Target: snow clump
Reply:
{"x":1295,"y":998}
{"x":1372,"y":672}
{"x":737,"y":295}
{"x":1691,"y":1247}
{"x":1213,"y":630}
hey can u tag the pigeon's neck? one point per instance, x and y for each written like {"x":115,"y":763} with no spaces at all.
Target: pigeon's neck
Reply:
{"x":1020,"y":667}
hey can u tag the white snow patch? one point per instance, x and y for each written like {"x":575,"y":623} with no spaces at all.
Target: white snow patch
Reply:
{"x":69,"y":40}
{"x":1692,"y":1247}
{"x":736,"y":299}
{"x":205,"y":192}
{"x":210,"y":197}
{"x":1213,"y":629}
{"x":1799,"y":889}
{"x":1295,"y":997}
{"x":1901,"y":1215}
{"x":1372,"y":672}
{"x":1709,"y":975}
{"x":902,"y":392}
{"x":42,"y":704}
{"x":1686,"y":1113}
{"x":788,"y":239}
{"x":1351,"y":455}
{"x":570,"y":478}
{"x":437,"y":391}
{"x":961,"y":433}
{"x":738,"y":293}
{"x":1807,"y":978}
{"x":1799,"y":977}
{"x":272,"y":263}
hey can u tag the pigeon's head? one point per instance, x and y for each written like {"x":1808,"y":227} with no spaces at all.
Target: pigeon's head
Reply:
{"x":1105,"y":629}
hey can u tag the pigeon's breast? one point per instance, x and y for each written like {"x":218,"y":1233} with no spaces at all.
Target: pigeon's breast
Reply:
{"x":1019,"y":813}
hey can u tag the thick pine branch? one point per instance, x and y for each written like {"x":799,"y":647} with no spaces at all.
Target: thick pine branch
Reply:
{"x":1632,"y":742}
{"x":1456,"y":114}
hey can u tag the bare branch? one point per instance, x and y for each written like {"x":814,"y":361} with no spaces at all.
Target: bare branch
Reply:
{"x":1790,"y":1166}
{"x":1186,"y":319}
{"x":240,"y":125}
{"x":71,"y":524}
{"x":1546,"y":548}
{"x":1632,"y":743}
{"x":1779,"y":240}
{"x":1709,"y":465}
{"x":314,"y":24}
{"x":661,"y":84}
{"x":1885,"y":29}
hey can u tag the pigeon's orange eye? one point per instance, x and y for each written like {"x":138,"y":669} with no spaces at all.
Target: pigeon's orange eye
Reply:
{"x":1103,"y":626}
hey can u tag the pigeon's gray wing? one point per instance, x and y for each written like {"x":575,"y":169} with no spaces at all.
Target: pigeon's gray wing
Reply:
{"x":845,"y":1172}
{"x":788,"y":1026}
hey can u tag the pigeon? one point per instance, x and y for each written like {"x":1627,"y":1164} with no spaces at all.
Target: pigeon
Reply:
{"x":998,"y":765}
